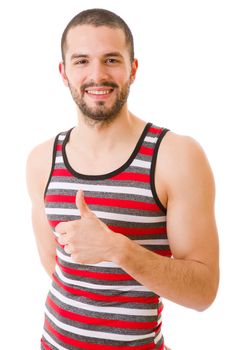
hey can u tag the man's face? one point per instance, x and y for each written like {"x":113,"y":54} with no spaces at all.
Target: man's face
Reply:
{"x":98,"y":71}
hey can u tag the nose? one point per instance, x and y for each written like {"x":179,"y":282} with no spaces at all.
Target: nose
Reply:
{"x":98,"y":72}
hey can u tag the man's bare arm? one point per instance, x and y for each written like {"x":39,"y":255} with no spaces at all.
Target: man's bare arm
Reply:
{"x":38,"y":169}
{"x":191,"y":277}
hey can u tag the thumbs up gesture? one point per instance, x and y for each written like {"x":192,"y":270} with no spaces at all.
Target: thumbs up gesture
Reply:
{"x":84,"y":210}
{"x":88,"y":240}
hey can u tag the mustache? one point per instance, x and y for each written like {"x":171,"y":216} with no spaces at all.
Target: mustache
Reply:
{"x":106,"y":83}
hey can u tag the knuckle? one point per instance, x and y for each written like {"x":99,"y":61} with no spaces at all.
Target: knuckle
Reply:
{"x":75,"y":258}
{"x":57,"y":228}
{"x":60,"y":240}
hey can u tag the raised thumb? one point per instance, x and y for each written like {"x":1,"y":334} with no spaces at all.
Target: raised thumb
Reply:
{"x":81,"y":204}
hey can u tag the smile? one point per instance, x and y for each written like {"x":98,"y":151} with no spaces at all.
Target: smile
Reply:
{"x":99,"y":92}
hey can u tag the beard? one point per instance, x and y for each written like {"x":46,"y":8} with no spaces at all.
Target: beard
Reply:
{"x":100,"y":113}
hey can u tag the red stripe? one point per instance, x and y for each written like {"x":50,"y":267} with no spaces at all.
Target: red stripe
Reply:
{"x":59,"y":147}
{"x":60,"y":198}
{"x":96,"y":275}
{"x":138,"y":231}
{"x":160,"y":309}
{"x":146,"y":150}
{"x":99,"y":321}
{"x":54,"y":223}
{"x":132,"y":177}
{"x":106,"y":298}
{"x":61,"y":172}
{"x":163,"y":252}
{"x":91,"y":346}
{"x":45,"y":346}
{"x":108,"y":202}
{"x":154,"y":130}
{"x":158,"y":328}
{"x":122,"y":203}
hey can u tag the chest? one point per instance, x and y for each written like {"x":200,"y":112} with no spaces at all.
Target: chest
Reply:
{"x":98,"y":164}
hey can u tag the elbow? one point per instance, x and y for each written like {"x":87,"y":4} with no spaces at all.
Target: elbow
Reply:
{"x":49,"y":264}
{"x":204,"y":305}
{"x":208,"y":296}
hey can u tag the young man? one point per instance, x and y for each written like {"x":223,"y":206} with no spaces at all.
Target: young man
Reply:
{"x":131,"y":205}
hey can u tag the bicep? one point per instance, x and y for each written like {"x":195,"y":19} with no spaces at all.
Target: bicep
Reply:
{"x":38,"y":168}
{"x":192,"y":231}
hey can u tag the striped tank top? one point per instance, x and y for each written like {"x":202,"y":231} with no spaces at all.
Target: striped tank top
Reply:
{"x":99,"y":306}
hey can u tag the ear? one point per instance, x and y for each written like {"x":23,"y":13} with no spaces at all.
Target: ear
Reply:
{"x":63,"y":73}
{"x":134,"y":69}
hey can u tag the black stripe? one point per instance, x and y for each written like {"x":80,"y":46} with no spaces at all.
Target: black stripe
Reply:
{"x":112,"y":173}
{"x":152,"y":173}
{"x":53,"y":163}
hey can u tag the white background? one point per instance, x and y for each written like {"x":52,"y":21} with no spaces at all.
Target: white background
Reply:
{"x":184,"y":82}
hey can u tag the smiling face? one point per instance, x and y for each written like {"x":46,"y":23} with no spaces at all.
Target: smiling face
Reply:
{"x":98,"y":71}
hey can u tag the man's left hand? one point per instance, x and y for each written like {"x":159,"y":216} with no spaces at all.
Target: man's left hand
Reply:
{"x":88,"y":240}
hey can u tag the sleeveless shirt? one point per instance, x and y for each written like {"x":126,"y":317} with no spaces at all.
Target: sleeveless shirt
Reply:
{"x":99,"y":306}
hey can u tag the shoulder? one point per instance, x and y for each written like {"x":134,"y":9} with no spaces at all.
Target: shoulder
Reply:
{"x":178,"y":148}
{"x":38,"y":167}
{"x":184,"y":151}
{"x":40,"y":155}
{"x":182,"y":163}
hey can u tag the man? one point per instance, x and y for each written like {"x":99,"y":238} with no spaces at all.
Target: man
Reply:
{"x":130,"y":204}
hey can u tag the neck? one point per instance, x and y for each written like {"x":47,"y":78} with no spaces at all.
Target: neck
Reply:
{"x":100,"y":138}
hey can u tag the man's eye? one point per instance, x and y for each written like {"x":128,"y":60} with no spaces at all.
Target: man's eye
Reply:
{"x":111,"y":60}
{"x":81,"y":62}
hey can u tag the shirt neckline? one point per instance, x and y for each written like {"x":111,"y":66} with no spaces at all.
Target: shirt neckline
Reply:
{"x":109,"y":174}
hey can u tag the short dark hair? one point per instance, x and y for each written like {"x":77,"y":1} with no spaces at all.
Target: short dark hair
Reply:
{"x":97,"y":18}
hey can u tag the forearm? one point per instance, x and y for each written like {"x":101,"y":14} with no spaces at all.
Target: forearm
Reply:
{"x":185,"y":282}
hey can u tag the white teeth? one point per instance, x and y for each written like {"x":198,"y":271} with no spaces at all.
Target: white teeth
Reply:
{"x":97,"y":92}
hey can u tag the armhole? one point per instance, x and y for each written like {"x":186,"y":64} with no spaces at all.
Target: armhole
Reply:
{"x":53,"y":163}
{"x":152,"y":172}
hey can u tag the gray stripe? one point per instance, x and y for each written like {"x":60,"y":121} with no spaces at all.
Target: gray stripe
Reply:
{"x":155,"y":248}
{"x":108,"y":222}
{"x":145,"y":157}
{"x":99,"y":328}
{"x":89,"y":301}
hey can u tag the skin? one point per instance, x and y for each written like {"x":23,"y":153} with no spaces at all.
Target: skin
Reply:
{"x":183,"y":180}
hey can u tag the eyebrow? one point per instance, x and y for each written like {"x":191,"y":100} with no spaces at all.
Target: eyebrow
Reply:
{"x":115,"y":54}
{"x":75,"y":56}
{"x":108,"y":54}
